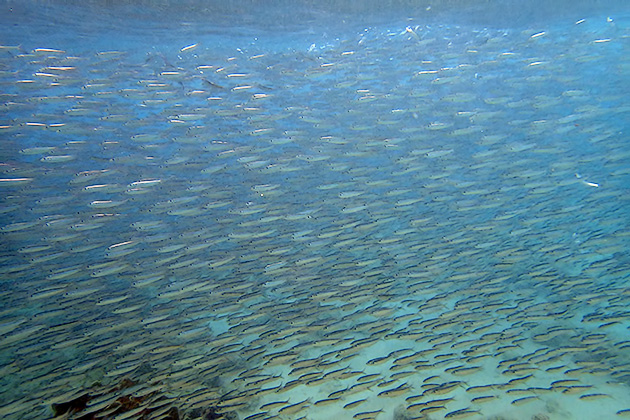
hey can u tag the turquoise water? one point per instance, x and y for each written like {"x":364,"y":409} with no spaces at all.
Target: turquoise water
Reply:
{"x":316,"y":212}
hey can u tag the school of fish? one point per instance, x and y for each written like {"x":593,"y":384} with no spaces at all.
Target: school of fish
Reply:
{"x":419,"y":222}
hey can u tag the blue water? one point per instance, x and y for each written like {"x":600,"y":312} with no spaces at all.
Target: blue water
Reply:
{"x":351,"y":172}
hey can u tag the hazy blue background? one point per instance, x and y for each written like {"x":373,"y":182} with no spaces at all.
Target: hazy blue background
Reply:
{"x":109,"y":23}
